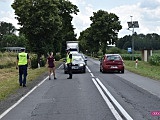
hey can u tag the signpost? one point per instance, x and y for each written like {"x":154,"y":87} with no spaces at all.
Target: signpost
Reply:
{"x":132,"y":24}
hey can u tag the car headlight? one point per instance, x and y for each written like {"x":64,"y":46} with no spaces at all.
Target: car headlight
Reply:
{"x":81,"y":65}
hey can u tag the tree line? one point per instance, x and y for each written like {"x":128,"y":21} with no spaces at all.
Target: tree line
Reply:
{"x":141,"y":41}
{"x":46,"y":25}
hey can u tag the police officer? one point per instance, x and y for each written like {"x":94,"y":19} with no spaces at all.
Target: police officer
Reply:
{"x":22,"y":64}
{"x":69,"y":63}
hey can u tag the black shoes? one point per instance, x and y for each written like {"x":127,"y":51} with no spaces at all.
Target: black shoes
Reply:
{"x":23,"y":85}
{"x":54,"y":78}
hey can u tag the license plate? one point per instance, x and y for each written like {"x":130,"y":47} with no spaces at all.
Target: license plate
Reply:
{"x":74,"y":67}
{"x":114,"y":67}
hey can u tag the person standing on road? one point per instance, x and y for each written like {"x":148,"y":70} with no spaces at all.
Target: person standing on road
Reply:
{"x":69,"y":63}
{"x":22,"y":63}
{"x":51,"y":65}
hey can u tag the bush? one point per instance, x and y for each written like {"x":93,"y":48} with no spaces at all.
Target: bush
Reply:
{"x":57,"y":57}
{"x":113,"y":50}
{"x":34,"y":61}
{"x":129,"y":56}
{"x":154,"y":60}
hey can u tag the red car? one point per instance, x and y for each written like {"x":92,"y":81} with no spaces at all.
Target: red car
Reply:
{"x":112,"y":63}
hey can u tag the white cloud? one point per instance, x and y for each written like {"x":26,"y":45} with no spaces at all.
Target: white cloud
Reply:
{"x":82,"y":20}
{"x":146,"y":12}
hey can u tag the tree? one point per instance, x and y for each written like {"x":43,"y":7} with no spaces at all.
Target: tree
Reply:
{"x":40,"y":22}
{"x":6,"y":31}
{"x":67,"y":32}
{"x":7,"y":28}
{"x":141,"y":41}
{"x":105,"y":27}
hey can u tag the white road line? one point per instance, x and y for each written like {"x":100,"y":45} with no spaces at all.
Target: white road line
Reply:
{"x":60,"y":66}
{"x":113,"y":110}
{"x":90,"y":71}
{"x":125,"y":114}
{"x":20,"y":100}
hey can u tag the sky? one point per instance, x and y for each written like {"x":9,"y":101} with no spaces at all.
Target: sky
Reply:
{"x":146,"y":12}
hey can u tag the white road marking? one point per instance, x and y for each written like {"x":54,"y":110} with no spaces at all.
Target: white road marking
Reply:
{"x":90,"y":71}
{"x":125,"y":114}
{"x":20,"y":100}
{"x":113,"y":110}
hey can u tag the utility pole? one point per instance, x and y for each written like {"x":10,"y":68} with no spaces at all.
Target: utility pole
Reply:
{"x":132,"y":24}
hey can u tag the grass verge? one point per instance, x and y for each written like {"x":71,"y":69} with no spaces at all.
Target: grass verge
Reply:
{"x":9,"y":83}
{"x":144,"y":69}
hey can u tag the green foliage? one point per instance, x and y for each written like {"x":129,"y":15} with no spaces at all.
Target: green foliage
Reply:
{"x":46,"y":23}
{"x":149,"y":41}
{"x":6,"y":28}
{"x":7,"y":59}
{"x":114,"y":50}
{"x":7,"y":65}
{"x":104,"y":28}
{"x":129,"y":56}
{"x":57,"y":57}
{"x":103,"y":31}
{"x":35,"y":61}
{"x":155,"y":60}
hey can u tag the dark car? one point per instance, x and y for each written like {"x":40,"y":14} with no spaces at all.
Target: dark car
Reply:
{"x":84,"y":57}
{"x":78,"y":64}
{"x":112,"y":63}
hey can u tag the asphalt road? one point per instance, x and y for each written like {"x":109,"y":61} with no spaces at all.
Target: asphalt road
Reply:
{"x":90,"y":96}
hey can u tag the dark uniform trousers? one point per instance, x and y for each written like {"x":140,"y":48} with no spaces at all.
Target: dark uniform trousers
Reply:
{"x":70,"y":69}
{"x":22,"y":74}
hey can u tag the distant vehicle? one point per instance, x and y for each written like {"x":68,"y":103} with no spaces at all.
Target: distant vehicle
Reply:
{"x":112,"y":63}
{"x":78,"y":64}
{"x":73,"y":46}
{"x":84,"y":57}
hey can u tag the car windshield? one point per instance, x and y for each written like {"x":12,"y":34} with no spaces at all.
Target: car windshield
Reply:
{"x":77,"y":58}
{"x":113,"y":57}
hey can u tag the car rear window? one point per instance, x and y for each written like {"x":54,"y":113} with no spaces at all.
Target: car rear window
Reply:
{"x":113,"y":57}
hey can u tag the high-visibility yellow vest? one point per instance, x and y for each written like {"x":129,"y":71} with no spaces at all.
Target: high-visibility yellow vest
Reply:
{"x":68,"y":59}
{"x":22,"y":58}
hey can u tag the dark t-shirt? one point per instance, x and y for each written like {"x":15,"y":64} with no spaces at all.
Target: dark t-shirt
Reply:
{"x":51,"y":62}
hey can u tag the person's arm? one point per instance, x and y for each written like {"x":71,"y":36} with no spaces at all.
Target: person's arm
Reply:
{"x":46,"y":62}
{"x":54,"y":62}
{"x":17,"y":62}
{"x":28,"y":60}
{"x":70,"y":56}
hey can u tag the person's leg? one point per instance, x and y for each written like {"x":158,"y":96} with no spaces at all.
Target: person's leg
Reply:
{"x":24,"y":75}
{"x":70,"y":71}
{"x":20,"y":75}
{"x":54,"y":74}
{"x":49,"y":72}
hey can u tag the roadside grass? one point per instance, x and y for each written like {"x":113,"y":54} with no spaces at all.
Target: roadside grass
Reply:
{"x":144,"y":69}
{"x":9,"y":79}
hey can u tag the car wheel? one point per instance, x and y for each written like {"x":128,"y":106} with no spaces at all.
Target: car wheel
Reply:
{"x":102,"y":70}
{"x":84,"y":71}
{"x":122,"y":71}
